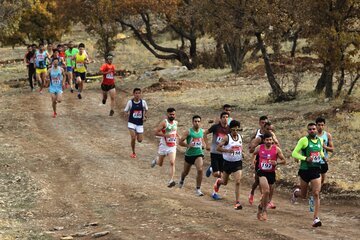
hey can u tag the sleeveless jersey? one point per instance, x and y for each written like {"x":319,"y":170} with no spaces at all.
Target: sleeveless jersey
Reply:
{"x":40,"y":59}
{"x":68,"y":55}
{"x":136,"y":115}
{"x":108,"y":79}
{"x":170,"y":129}
{"x":265,"y":155}
{"x":258,"y":133}
{"x":325,"y":142}
{"x":195,"y":139}
{"x":219,"y":132}
{"x":56,"y":79}
{"x":236,"y":146}
{"x":313,"y":150}
{"x":80,"y":63}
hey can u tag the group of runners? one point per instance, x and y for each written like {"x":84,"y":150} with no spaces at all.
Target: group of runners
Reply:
{"x":56,"y":68}
{"x":227,"y":153}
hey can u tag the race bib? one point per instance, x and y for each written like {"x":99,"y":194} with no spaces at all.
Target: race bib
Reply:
{"x":137,"y":114}
{"x":219,"y":137}
{"x":237,"y":150}
{"x":40,"y":57}
{"x":315,"y":156}
{"x":56,"y":81}
{"x":79,"y":64}
{"x":196,"y":143}
{"x":110,"y":76}
{"x":266,"y":166}
{"x":171,"y":139}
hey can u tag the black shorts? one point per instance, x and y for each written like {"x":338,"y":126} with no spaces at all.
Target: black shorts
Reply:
{"x":310,"y":174}
{"x":81,"y":75}
{"x":217,"y":162}
{"x":270,"y":176}
{"x":106,"y":88}
{"x":191,"y":159}
{"x":324,"y":168}
{"x":231,"y":167}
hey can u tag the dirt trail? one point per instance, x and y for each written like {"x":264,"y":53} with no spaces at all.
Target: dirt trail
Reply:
{"x":80,"y":162}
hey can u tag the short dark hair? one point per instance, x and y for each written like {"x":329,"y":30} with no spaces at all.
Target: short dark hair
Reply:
{"x":234,"y":123}
{"x":170,"y":109}
{"x":263,"y":118}
{"x":81,"y":45}
{"x":226,"y":106}
{"x":223,"y":113}
{"x":41,"y":44}
{"x":311,"y":124}
{"x":196,"y":116}
{"x":267,"y":135}
{"x":136,"y":89}
{"x":55,"y":59}
{"x":267,"y":124}
{"x":56,"y":50}
{"x":320,"y":119}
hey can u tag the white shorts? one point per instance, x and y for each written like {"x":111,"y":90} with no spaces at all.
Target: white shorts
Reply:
{"x":165,"y":150}
{"x":136,"y":128}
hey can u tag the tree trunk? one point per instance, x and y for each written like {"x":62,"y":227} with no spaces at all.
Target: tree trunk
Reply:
{"x":278,"y":93}
{"x":235,"y":53}
{"x":219,"y":55}
{"x":294,"y":45}
{"x":353,"y":84}
{"x":341,"y":82}
{"x":253,"y":56}
{"x":321,"y":83}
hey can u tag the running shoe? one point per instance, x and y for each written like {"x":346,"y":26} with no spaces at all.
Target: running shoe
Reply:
{"x":271,"y":205}
{"x":133,"y":155}
{"x":217,"y":185}
{"x":238,"y":206}
{"x":54,"y":115}
{"x":79,"y":96}
{"x":181,"y":184}
{"x":251,"y":198}
{"x":153,"y":163}
{"x":71,"y":90}
{"x":293,"y":197}
{"x":199,"y":193}
{"x":171,"y":183}
{"x":208,"y":171}
{"x":316,"y":222}
{"x":41,"y":91}
{"x":76,"y":86}
{"x":111,"y":113}
{"x":103,"y":101}
{"x":215,"y":196}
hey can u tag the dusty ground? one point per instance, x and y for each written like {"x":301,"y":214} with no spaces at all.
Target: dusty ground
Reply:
{"x":73,"y":175}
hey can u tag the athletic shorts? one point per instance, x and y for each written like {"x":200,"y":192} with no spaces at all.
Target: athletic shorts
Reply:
{"x":191,"y":159}
{"x":69,"y":69}
{"x":81,"y":75}
{"x":106,"y":88}
{"x":270,"y":176}
{"x":165,"y":150}
{"x":324,"y":168}
{"x":310,"y":174}
{"x":217,"y":162}
{"x":55,"y":91}
{"x":231,"y":167}
{"x":136,"y":128}
{"x":41,"y":70}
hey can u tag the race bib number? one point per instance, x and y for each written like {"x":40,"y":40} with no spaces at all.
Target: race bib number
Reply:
{"x":40,"y":57}
{"x":137,"y":114}
{"x":110,"y":76}
{"x":79,"y":64}
{"x":196,"y":143}
{"x":237,"y":150}
{"x":171,"y":139}
{"x":266,"y":166}
{"x":56,"y":81}
{"x":219,"y":137}
{"x":316,"y":158}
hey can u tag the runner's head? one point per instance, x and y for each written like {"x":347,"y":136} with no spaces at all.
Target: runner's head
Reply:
{"x":137,"y":94}
{"x":227,"y":108}
{"x":224,"y":116}
{"x":234,"y":127}
{"x":60,"y":47}
{"x":49,"y":47}
{"x":311,"y":127}
{"x":268,"y":127}
{"x":55,"y":62}
{"x":81,"y":48}
{"x":196,"y":119}
{"x":56,"y":53}
{"x":171,"y":113}
{"x":34,"y":47}
{"x":29,"y":48}
{"x":41,"y":47}
{"x":109,"y":58}
{"x":262,"y":121}
{"x":70,"y":45}
{"x":320,"y":124}
{"x":268,"y":139}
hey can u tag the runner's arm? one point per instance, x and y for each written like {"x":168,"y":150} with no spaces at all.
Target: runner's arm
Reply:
{"x":256,"y":152}
{"x":146,"y":109}
{"x":183,"y":138}
{"x":254,"y":143}
{"x":127,"y":107}
{"x":330,"y":146}
{"x":206,"y":140}
{"x":63,"y":74}
{"x":276,"y":141}
{"x":302,"y":143}
{"x":223,"y":142}
{"x":158,"y":131}
{"x":280,"y":156}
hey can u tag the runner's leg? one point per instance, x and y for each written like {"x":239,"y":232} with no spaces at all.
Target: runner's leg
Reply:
{"x":133,"y":138}
{"x":172,"y":157}
{"x":112,"y":93}
{"x":199,"y":162}
{"x":316,"y":188}
{"x":237,"y":176}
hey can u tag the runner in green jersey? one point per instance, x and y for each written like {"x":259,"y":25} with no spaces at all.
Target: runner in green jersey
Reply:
{"x":194,"y":154}
{"x":70,"y":63}
{"x":309,"y":150}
